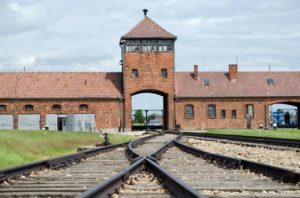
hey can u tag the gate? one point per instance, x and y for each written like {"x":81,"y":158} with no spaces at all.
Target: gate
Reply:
{"x":148,"y":119}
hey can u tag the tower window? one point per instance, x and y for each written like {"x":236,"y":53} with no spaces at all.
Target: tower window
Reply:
{"x":134,"y":73}
{"x":149,"y":45}
{"x":189,"y":111}
{"x":146,"y":48}
{"x":223,"y":113}
{"x":129,"y":48}
{"x":164,"y":73}
{"x":28,"y":107}
{"x":83,"y":107}
{"x":2,"y":107}
{"x":211,"y":111}
{"x":162,"y":48}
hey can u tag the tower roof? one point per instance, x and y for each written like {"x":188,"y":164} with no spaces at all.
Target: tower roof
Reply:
{"x":147,"y":28}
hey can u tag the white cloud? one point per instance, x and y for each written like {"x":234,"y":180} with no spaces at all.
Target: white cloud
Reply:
{"x":29,"y":13}
{"x":25,"y":61}
{"x":192,"y":22}
{"x":69,"y":35}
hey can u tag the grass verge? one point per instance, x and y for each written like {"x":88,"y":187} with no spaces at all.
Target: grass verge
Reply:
{"x":279,"y":133}
{"x":21,"y":147}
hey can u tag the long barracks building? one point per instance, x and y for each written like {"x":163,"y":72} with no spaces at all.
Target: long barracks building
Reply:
{"x":91,"y":100}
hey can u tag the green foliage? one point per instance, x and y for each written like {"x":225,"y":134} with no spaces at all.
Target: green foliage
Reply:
{"x":279,"y":133}
{"x":20,"y":147}
{"x":139,"y":117}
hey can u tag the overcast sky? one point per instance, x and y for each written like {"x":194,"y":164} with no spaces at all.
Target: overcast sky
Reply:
{"x":83,"y":35}
{"x":77,"y":35}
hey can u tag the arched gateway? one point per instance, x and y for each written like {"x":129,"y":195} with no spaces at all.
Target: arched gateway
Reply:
{"x":148,"y":66}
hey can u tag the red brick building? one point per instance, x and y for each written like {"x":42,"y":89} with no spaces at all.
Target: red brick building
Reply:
{"x":84,"y":101}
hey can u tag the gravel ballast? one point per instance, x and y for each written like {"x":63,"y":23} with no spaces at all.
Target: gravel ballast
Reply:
{"x":282,"y":158}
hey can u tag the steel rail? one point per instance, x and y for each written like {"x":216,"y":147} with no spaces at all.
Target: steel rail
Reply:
{"x":252,"y":139}
{"x":173,"y":184}
{"x":278,"y":173}
{"x":131,"y":154}
{"x":26,"y":169}
{"x":243,"y":138}
{"x":156,"y":154}
{"x":107,"y":187}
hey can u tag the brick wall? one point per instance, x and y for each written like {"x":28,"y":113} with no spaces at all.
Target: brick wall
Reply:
{"x":107,"y":112}
{"x":149,"y":65}
{"x":201,"y":120}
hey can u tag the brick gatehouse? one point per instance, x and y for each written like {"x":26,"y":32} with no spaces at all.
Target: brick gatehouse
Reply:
{"x":84,"y":101}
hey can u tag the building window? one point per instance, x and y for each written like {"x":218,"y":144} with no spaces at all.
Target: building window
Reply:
{"x":206,"y":82}
{"x":134,"y":73}
{"x":83,"y":107}
{"x":2,"y":107}
{"x":233,"y":114}
{"x":223,"y":113}
{"x":129,"y":48}
{"x":28,"y":107}
{"x":164,"y":73}
{"x":189,"y":111}
{"x":211,"y":111}
{"x":56,"y":107}
{"x":270,"y":82}
{"x":249,"y":111}
{"x":146,"y":48}
{"x":149,"y":45}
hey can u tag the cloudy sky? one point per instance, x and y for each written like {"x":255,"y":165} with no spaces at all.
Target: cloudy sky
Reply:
{"x":83,"y":35}
{"x":77,"y":35}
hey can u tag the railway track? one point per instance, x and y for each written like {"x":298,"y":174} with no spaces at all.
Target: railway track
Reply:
{"x":156,"y":166}
{"x":69,"y":181}
{"x":249,"y":139}
{"x":285,"y":157}
{"x":248,"y":144}
{"x":150,"y":146}
{"x":214,"y":180}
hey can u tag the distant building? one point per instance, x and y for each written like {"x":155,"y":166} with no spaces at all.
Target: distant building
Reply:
{"x":90,"y":100}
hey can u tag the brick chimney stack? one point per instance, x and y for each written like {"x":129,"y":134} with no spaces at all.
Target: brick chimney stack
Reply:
{"x":196,"y":74}
{"x":233,"y":71}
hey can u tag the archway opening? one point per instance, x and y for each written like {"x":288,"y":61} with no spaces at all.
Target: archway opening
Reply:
{"x":284,"y":115}
{"x":149,"y":110}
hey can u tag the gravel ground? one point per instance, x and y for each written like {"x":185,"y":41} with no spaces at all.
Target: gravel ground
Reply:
{"x":142,"y":184}
{"x":285,"y":159}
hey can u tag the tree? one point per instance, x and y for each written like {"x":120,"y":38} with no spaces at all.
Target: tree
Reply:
{"x":138,"y":116}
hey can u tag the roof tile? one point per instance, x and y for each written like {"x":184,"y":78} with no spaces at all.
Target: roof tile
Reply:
{"x":60,"y":85}
{"x":248,"y":84}
{"x":147,"y":28}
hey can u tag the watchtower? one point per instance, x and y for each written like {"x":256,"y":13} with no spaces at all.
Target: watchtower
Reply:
{"x":148,"y":66}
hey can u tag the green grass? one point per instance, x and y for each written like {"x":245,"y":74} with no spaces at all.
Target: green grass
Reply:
{"x":20,"y":147}
{"x":279,"y":133}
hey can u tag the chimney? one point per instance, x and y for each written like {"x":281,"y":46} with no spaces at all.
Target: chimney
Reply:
{"x":196,"y":77}
{"x":233,"y":71}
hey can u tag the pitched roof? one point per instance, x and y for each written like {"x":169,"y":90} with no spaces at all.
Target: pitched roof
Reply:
{"x":248,"y":84}
{"x":147,"y":28}
{"x":60,"y":85}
